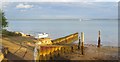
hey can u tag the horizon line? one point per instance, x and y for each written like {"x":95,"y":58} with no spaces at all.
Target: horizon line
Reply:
{"x":66,"y":18}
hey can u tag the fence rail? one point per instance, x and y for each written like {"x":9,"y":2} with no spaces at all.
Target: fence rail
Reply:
{"x":67,"y":39}
{"x":59,"y":47}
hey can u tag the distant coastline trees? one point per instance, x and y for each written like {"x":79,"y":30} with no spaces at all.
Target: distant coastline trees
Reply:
{"x":3,"y":20}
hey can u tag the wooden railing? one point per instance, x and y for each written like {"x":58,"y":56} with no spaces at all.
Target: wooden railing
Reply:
{"x":60,"y":47}
{"x":66,"y":40}
{"x":52,"y":51}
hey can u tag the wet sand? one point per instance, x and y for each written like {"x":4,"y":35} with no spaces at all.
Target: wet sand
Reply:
{"x":91,"y":52}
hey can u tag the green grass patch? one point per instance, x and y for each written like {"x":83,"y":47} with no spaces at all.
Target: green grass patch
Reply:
{"x":9,"y":33}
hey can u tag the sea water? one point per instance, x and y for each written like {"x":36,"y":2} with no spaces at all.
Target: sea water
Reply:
{"x":61,"y":27}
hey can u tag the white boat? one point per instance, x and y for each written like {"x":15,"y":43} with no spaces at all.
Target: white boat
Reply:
{"x":80,"y":20}
{"x":41,"y":35}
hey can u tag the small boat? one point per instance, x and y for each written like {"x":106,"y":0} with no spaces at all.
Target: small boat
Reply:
{"x":80,"y":20}
{"x":41,"y":35}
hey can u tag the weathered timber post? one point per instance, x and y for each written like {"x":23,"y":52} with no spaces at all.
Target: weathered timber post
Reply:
{"x":99,"y":40}
{"x":72,"y":48}
{"x":79,"y":44}
{"x":82,"y":41}
{"x":36,"y":53}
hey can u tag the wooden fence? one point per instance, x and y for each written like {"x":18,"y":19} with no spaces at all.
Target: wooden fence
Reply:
{"x":52,"y":51}
{"x":60,"y":47}
{"x":66,"y":40}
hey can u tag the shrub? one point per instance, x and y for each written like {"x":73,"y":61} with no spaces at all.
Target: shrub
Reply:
{"x":9,"y":33}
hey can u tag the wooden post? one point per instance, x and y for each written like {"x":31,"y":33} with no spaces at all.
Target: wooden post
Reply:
{"x":82,"y":41}
{"x":79,"y":44}
{"x":99,"y":40}
{"x":72,"y":48}
{"x":36,"y":54}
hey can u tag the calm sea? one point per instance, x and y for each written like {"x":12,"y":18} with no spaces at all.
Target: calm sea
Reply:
{"x":62,"y":27}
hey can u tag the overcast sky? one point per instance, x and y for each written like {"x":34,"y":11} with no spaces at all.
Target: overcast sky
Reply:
{"x":60,"y":9}
{"x":60,"y":0}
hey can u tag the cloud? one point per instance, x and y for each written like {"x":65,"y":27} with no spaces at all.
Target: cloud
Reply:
{"x":5,"y":4}
{"x":21,"y":5}
{"x":106,"y":0}
{"x":60,"y":0}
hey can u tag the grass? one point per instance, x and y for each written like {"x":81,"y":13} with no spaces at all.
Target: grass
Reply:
{"x":8,"y":33}
{"x":16,"y":38}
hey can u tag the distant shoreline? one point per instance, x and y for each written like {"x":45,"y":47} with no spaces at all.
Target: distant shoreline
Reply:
{"x":64,"y":19}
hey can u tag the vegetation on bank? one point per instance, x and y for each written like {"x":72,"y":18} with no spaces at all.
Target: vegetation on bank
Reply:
{"x":3,"y":20}
{"x":3,"y":24}
{"x":8,"y":33}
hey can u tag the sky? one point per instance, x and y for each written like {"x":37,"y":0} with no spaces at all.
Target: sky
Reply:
{"x":43,"y":9}
{"x":60,"y":0}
